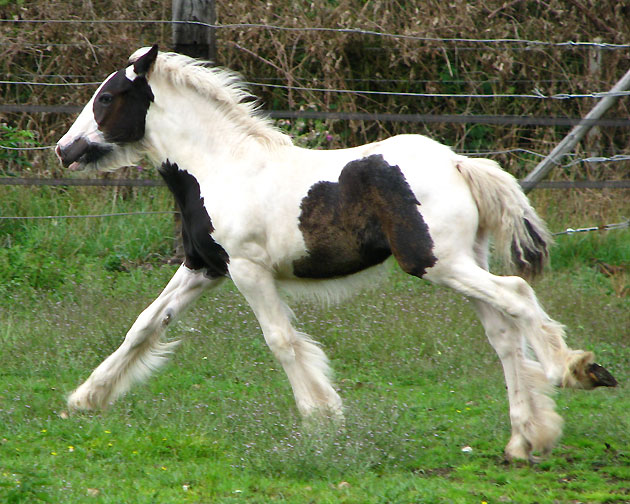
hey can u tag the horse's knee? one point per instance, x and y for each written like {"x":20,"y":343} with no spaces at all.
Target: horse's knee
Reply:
{"x":281,"y":345}
{"x":148,"y":326}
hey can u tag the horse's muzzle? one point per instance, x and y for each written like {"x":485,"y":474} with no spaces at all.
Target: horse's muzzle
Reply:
{"x":80,"y":152}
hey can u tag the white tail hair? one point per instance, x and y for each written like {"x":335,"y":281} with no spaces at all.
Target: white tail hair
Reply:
{"x":521,"y":237}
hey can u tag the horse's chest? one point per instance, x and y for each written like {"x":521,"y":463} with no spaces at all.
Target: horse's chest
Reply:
{"x":201,"y":250}
{"x":360,"y":220}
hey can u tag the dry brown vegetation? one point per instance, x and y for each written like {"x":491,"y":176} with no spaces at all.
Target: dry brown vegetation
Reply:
{"x":87,"y":52}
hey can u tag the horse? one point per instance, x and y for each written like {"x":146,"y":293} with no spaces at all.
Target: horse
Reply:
{"x":281,"y":220}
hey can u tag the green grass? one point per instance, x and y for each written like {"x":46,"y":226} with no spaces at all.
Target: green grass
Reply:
{"x":218,"y":424}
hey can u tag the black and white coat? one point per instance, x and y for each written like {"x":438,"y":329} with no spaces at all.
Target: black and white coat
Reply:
{"x":272,"y":216}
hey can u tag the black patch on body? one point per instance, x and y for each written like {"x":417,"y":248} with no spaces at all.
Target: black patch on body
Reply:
{"x":360,"y":221}
{"x":201,"y":251}
{"x":120,"y":108}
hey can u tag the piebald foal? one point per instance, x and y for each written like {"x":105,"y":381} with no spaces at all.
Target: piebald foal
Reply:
{"x":270,"y":216}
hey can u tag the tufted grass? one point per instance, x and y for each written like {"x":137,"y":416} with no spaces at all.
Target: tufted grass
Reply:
{"x":218,"y":424}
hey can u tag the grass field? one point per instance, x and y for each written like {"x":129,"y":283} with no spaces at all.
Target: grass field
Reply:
{"x":218,"y":424}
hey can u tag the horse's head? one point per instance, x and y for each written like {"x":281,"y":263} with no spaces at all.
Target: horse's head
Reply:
{"x":107,"y":132}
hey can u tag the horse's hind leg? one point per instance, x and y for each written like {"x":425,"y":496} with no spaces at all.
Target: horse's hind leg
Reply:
{"x":303,"y":360}
{"x":563,"y":366}
{"x":141,"y":352}
{"x":513,"y":319}
{"x":509,"y":318}
{"x":535,"y":424}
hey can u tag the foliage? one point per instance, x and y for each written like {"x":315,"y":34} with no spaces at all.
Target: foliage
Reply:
{"x":11,"y":140}
{"x":296,"y":60}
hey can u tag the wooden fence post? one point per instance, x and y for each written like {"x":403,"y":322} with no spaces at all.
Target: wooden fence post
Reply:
{"x":192,"y":37}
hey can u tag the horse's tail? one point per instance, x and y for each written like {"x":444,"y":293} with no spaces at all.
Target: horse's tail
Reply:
{"x":521,"y":237}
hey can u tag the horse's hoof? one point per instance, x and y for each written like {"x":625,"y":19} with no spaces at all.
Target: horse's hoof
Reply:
{"x":599,"y":376}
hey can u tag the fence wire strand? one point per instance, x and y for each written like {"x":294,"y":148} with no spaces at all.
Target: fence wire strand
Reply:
{"x":606,"y":227}
{"x":350,"y":31}
{"x":569,"y":231}
{"x":85,"y":216}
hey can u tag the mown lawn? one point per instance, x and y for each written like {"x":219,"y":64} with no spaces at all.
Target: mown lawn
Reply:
{"x":218,"y":424}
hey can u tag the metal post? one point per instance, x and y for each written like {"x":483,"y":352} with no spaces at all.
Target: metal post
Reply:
{"x":575,"y":135}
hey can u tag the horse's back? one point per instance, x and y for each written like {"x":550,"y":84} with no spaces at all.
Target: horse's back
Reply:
{"x":445,"y":199}
{"x":403,"y":195}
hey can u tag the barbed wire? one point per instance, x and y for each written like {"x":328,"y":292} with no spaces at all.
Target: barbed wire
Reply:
{"x":260,"y":81}
{"x":592,"y":159}
{"x":51,"y":84}
{"x":351,"y":31}
{"x":605,"y":227}
{"x":569,"y":231}
{"x":598,"y":159}
{"x":41,"y":147}
{"x":85,"y":216}
{"x":535,"y":94}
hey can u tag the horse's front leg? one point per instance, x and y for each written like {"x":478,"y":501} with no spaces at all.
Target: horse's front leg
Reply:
{"x":303,"y":360}
{"x":142,"y":352}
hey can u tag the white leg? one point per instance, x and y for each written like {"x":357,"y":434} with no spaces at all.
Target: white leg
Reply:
{"x":302,"y":359}
{"x":141,"y":352}
{"x":535,"y":424}
{"x":562,"y":365}
{"x":509,"y":317}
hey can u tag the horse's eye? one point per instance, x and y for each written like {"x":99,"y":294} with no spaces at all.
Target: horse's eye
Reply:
{"x":105,"y":99}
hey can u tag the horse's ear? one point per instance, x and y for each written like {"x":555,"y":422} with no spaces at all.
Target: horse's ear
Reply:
{"x":143,"y":64}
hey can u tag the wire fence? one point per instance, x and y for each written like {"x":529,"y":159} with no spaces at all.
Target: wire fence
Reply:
{"x":351,"y":31}
{"x":457,"y":43}
{"x":625,"y":224}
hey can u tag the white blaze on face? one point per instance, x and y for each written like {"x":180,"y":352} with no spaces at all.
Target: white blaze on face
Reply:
{"x":85,"y":125}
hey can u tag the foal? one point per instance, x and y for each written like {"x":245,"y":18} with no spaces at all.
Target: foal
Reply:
{"x":271,"y":216}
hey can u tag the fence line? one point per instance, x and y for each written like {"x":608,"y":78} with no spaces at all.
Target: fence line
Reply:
{"x":505,"y":120}
{"x":537,"y":94}
{"x":605,"y":227}
{"x":260,"y":81}
{"x":569,"y":231}
{"x":22,"y":181}
{"x":592,"y":159}
{"x":350,"y":31}
{"x":88,"y":216}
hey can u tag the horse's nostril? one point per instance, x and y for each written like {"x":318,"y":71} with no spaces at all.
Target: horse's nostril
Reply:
{"x":58,"y":152}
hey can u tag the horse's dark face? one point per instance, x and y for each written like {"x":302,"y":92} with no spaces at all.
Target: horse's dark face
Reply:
{"x":113,"y":120}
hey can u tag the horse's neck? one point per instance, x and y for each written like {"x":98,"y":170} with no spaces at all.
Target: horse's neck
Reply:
{"x":189,"y":130}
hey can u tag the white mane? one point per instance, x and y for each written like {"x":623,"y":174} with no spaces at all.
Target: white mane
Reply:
{"x":223,"y":87}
